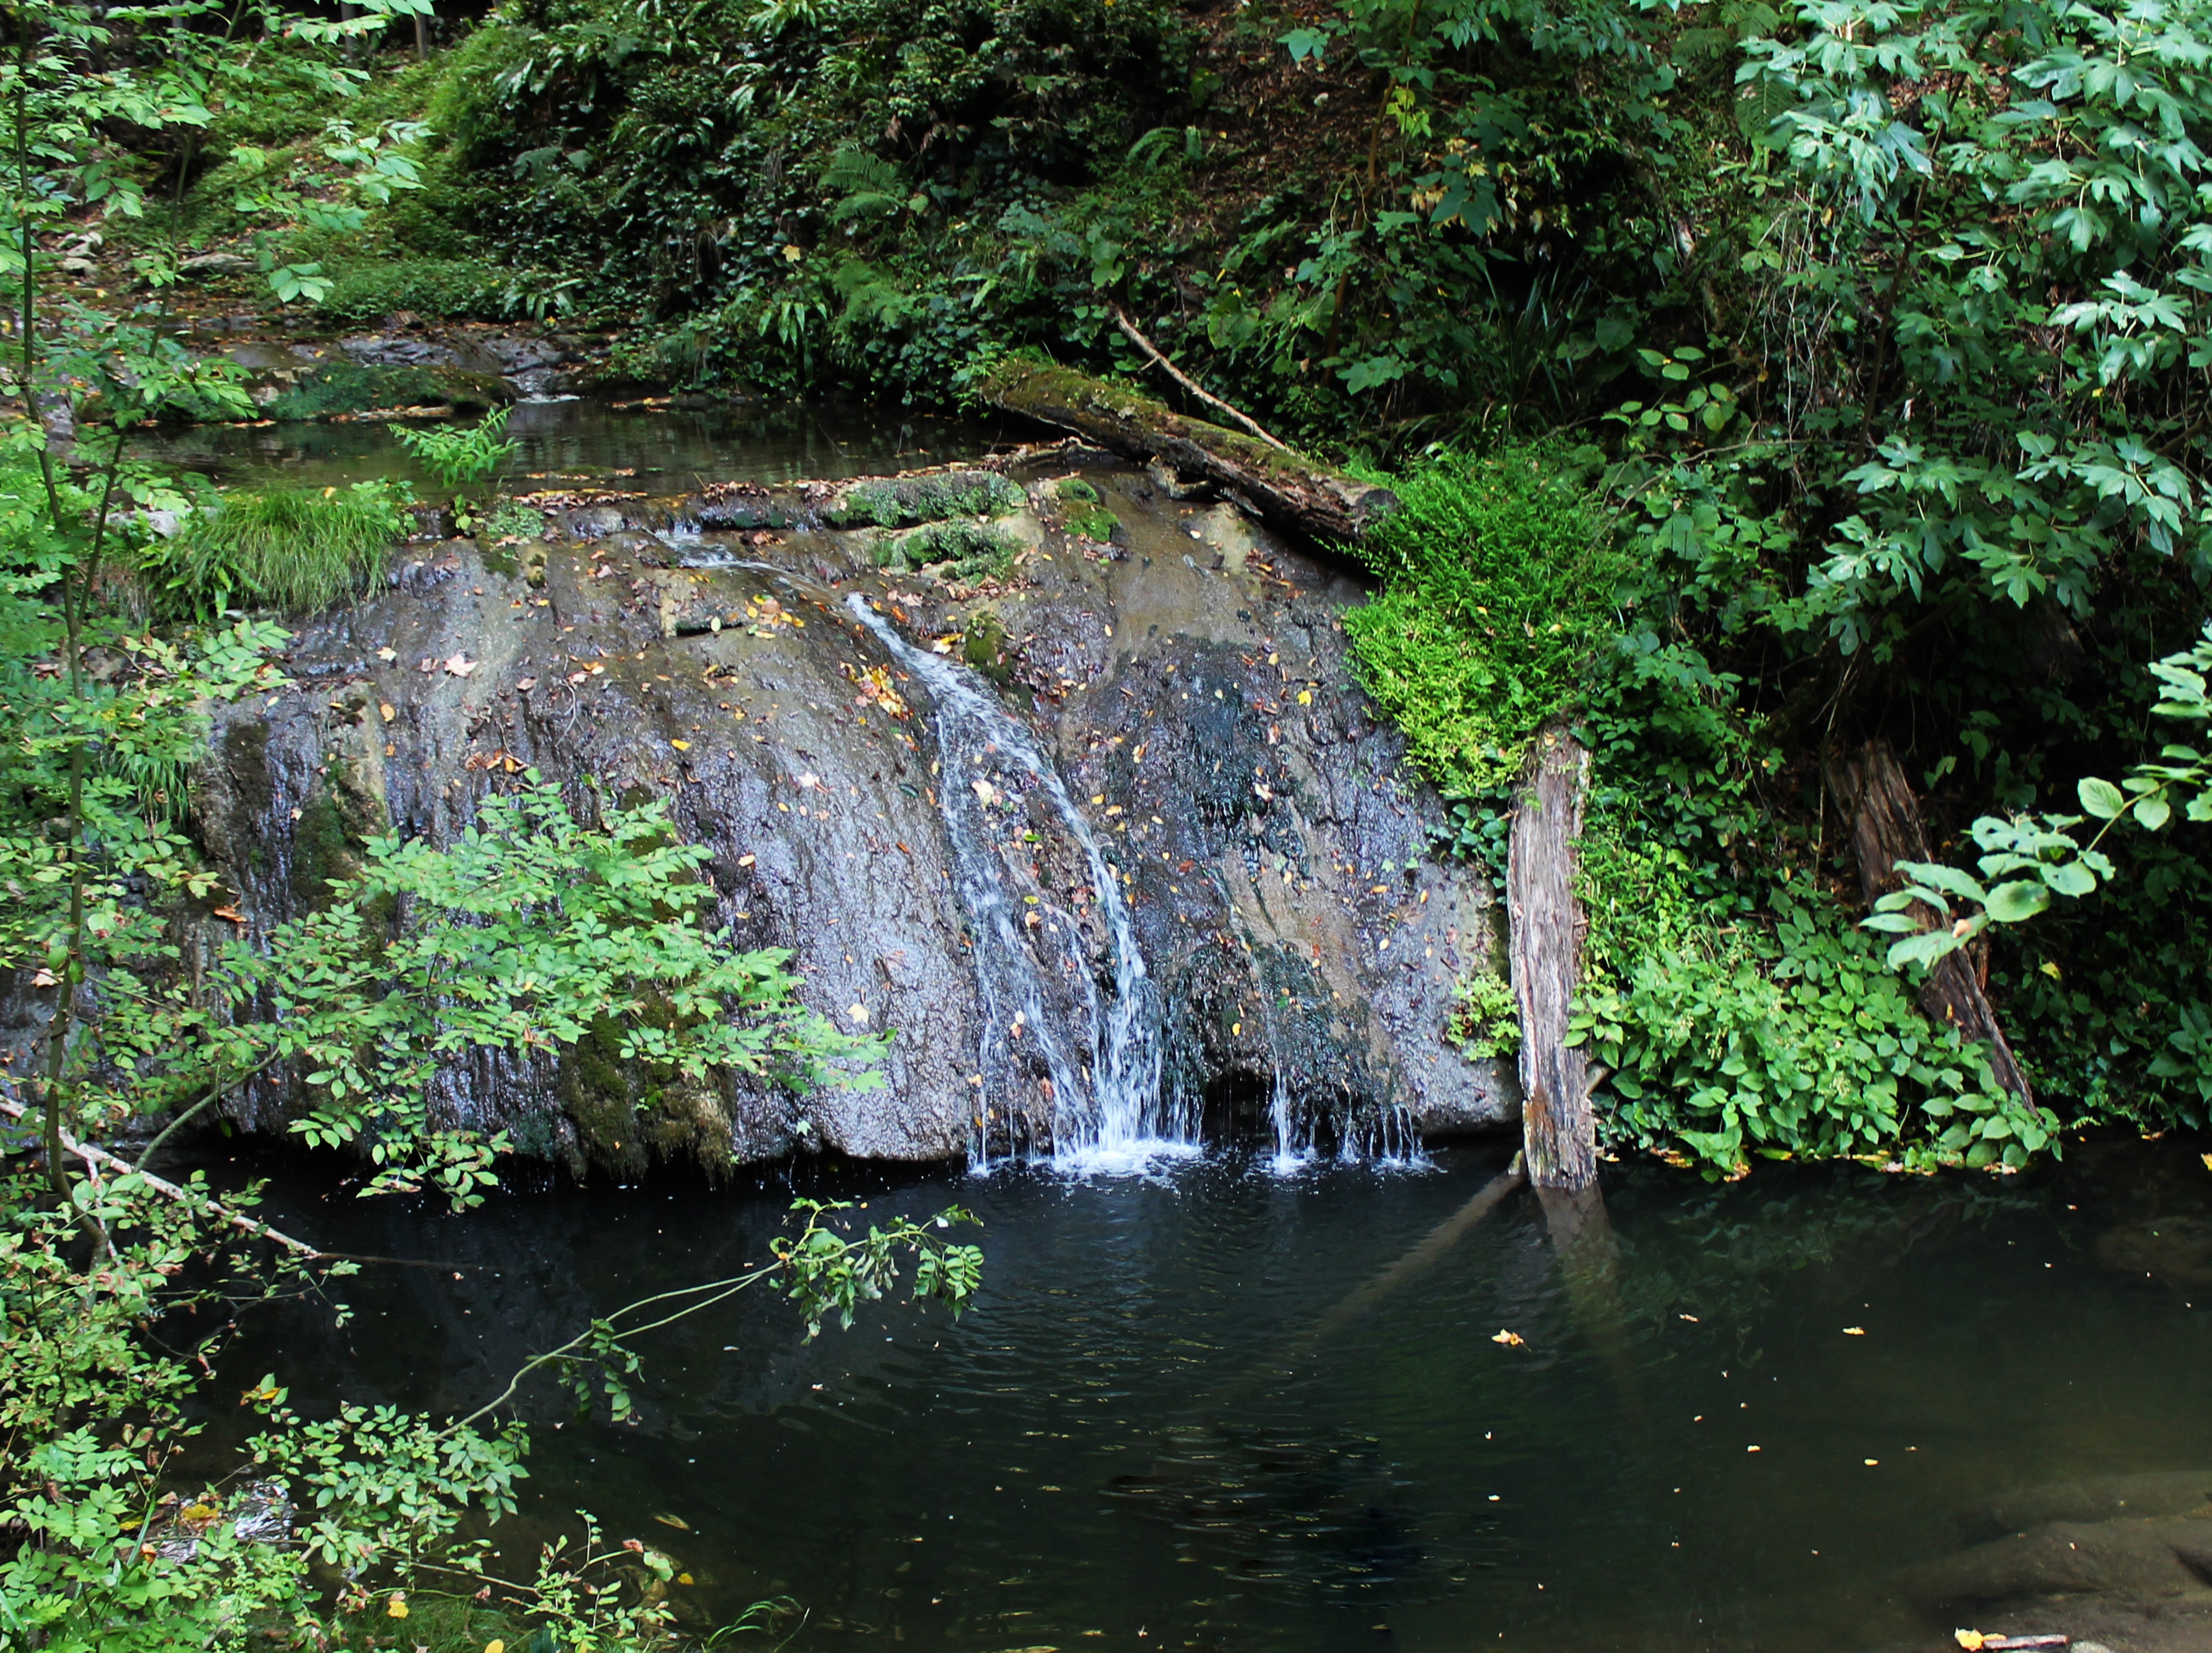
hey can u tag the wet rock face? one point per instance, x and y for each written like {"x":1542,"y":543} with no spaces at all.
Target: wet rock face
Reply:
{"x":1189,"y":684}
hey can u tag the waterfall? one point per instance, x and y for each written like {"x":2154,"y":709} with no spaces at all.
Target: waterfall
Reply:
{"x":1088,"y":1039}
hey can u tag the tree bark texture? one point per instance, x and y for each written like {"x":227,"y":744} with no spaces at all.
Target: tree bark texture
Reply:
{"x":1885,"y":828}
{"x":1558,"y":1128}
{"x":1285,"y":488}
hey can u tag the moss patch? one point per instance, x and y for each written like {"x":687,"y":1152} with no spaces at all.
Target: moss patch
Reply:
{"x":953,"y":550}
{"x":903,"y":502}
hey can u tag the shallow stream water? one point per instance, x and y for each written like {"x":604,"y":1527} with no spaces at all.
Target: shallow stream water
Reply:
{"x":658,"y":447}
{"x":1175,"y":1419}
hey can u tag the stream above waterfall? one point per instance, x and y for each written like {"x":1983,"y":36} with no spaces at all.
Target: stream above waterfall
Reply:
{"x":658,"y":444}
{"x":1168,"y":1413}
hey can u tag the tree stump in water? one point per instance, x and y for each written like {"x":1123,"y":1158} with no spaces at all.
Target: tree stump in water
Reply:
{"x":1287,"y":488}
{"x":1885,"y":828}
{"x":1547,"y":924}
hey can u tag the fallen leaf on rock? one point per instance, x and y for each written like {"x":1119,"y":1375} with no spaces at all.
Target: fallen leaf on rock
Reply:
{"x":681,"y":745}
{"x":428,"y":663}
{"x":1511,"y":1340}
{"x":459,"y":666}
{"x":388,"y":711}
{"x":858,"y":1013}
{"x":388,"y":655}
{"x":746,"y":861}
{"x":985,"y":792}
{"x":810,"y":780}
{"x":525,"y":685}
{"x":578,"y":676}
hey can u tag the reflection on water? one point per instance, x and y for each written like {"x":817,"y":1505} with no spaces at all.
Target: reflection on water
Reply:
{"x":1205,"y":1408}
{"x":657,"y":450}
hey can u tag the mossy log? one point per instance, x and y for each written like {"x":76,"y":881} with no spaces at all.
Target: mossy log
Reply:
{"x":1283,"y":486}
{"x":1885,"y":828}
{"x":1546,"y":922}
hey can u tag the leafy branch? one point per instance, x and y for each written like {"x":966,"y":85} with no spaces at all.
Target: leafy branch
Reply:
{"x":2027,"y":860}
{"x":824,"y":1268}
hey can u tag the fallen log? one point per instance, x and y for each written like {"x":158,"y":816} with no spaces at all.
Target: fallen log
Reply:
{"x":1287,"y":488}
{"x":1885,"y":828}
{"x":1545,"y":922}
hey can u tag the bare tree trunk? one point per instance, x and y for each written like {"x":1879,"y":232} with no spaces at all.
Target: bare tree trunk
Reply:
{"x":1885,"y":828}
{"x":1558,"y":1129}
{"x":1285,"y":487}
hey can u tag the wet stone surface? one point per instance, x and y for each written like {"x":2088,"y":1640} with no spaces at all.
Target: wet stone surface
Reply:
{"x":1189,"y":683}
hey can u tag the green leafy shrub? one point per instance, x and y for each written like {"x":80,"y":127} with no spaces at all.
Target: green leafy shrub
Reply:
{"x":1793,"y":1041}
{"x":458,"y":455}
{"x":1500,"y":589}
{"x":1486,"y":1020}
{"x":286,"y":549}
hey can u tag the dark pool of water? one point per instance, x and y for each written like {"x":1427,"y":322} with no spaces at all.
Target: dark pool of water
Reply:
{"x":1162,"y":1427}
{"x":664,"y":449}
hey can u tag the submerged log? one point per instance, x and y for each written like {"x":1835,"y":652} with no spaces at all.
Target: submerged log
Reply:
{"x":1885,"y":828}
{"x":1285,"y":488}
{"x":1548,"y":923}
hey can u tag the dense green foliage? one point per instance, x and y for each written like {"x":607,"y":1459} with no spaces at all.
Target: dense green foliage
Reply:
{"x":1499,"y":585}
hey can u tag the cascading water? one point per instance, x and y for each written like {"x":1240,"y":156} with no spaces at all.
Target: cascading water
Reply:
{"x":1089,"y":1039}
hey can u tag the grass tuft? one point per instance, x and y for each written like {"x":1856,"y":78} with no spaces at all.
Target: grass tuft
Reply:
{"x":283,"y":549}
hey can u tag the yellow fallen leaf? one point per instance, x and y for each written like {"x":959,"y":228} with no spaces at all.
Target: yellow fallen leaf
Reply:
{"x":1305,"y":696}
{"x":1971,"y":1640}
{"x":389,"y":710}
{"x":1751,"y":1448}
{"x":1871,"y":1462}
{"x":1854,"y":1331}
{"x":1511,"y":1340}
{"x":682,"y":1577}
{"x":681,"y":745}
{"x":2208,"y":1161}
{"x":495,"y":1645}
